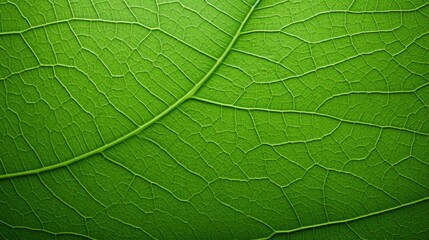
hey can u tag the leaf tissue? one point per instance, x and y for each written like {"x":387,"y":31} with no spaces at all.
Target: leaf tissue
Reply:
{"x":214,"y":119}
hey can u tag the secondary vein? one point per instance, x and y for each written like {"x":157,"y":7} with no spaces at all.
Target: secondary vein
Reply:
{"x":349,"y":219}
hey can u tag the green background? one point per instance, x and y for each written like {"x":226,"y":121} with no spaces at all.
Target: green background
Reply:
{"x":214,"y":119}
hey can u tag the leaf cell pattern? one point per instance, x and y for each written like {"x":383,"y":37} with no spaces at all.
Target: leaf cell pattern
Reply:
{"x":209,"y":119}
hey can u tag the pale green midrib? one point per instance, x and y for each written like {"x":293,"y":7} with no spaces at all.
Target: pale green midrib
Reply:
{"x":348,"y":219}
{"x":149,"y":123}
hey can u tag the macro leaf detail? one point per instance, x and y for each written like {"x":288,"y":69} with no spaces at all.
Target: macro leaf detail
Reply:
{"x":188,"y":119}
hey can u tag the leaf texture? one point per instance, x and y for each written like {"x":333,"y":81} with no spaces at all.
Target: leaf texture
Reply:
{"x":236,"y":119}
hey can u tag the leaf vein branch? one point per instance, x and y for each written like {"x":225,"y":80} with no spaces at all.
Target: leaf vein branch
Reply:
{"x":345,"y":221}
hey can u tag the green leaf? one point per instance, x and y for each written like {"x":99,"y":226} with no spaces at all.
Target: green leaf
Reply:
{"x":214,"y":119}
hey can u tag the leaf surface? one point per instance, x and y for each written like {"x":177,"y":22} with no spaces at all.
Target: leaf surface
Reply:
{"x":214,"y":119}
